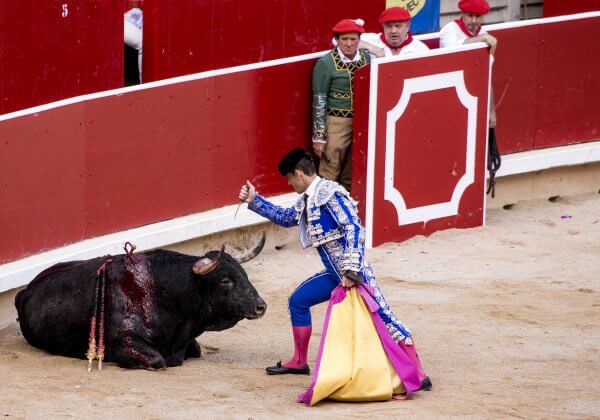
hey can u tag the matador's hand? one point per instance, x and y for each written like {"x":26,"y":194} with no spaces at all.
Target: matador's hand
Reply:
{"x":247,"y":192}
{"x":346,"y":282}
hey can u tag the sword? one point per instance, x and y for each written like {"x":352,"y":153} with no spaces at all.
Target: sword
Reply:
{"x":238,"y":208}
{"x":241,"y":201}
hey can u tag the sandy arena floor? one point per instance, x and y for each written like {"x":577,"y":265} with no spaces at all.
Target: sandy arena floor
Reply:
{"x":506,"y":319}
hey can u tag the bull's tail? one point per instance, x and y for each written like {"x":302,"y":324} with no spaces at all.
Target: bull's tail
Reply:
{"x":22,"y":318}
{"x":19,"y":301}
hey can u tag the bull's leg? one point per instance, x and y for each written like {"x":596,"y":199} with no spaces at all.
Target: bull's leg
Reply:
{"x":131,"y":347}
{"x":193,"y":350}
{"x":177,"y":356}
{"x":137,"y":354}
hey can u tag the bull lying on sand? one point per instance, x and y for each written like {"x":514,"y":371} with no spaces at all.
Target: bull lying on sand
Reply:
{"x":150,"y":306}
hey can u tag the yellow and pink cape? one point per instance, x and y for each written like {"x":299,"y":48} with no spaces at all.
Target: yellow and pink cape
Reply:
{"x":358,"y":360}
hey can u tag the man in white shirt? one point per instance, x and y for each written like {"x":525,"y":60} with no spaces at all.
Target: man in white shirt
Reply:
{"x":133,"y":34}
{"x":396,"y":38}
{"x":467,"y":29}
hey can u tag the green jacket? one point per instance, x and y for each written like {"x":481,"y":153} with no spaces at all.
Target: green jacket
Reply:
{"x":332,"y":86}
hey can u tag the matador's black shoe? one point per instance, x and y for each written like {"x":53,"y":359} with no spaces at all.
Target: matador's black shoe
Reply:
{"x":426,"y":384}
{"x":279,"y":369}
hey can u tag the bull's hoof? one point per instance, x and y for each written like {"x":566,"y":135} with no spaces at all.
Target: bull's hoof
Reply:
{"x":279,"y":369}
{"x":193,"y":350}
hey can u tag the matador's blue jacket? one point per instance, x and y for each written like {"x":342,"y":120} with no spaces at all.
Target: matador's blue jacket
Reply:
{"x":336,"y":231}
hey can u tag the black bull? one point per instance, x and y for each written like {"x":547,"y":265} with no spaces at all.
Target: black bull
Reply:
{"x":156,"y":304}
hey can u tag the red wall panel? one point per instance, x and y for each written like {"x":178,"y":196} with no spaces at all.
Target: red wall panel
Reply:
{"x":568,"y":72}
{"x":546,"y":84}
{"x":189,"y":36}
{"x":566,"y":7}
{"x":56,"y":49}
{"x":42,"y":181}
{"x":514,"y":81}
{"x":112,"y":163}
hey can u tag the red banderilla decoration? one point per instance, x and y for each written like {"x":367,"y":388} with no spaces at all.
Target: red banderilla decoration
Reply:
{"x":97,"y":319}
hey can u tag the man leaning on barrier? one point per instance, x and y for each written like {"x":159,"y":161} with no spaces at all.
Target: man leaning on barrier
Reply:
{"x":332,"y":109}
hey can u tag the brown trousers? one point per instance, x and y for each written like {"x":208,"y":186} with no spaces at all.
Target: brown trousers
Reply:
{"x":339,"y":151}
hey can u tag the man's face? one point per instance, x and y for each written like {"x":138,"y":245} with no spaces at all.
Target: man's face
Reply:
{"x":296,"y":182}
{"x":396,"y":32}
{"x":348,"y":43}
{"x":472,"y":22}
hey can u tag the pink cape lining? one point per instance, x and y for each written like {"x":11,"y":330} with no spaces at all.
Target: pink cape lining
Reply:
{"x":405,"y":368}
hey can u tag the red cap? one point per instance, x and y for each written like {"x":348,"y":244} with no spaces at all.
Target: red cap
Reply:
{"x":474,"y":7}
{"x":394,"y":14}
{"x":347,"y":25}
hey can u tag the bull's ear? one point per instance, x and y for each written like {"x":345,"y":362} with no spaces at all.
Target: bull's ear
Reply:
{"x":205,"y":266}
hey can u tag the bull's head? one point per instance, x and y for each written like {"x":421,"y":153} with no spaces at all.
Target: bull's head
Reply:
{"x":233,"y":295}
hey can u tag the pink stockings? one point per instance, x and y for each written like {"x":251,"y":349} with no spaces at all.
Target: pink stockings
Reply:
{"x":301,"y":340}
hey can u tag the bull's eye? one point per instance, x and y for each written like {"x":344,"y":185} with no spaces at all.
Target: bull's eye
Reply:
{"x":227,"y":282}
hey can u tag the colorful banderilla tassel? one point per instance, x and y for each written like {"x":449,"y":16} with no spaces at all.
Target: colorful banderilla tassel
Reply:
{"x":99,"y":299}
{"x":101,"y":322}
{"x":91,"y":353}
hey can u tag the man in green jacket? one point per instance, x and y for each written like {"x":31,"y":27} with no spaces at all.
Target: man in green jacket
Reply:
{"x":332,"y":85}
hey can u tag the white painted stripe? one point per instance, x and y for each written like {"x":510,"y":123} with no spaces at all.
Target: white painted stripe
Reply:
{"x":370,"y":184}
{"x":21,"y":272}
{"x":431,"y":53}
{"x":537,"y":160}
{"x":541,"y":21}
{"x":159,"y":83}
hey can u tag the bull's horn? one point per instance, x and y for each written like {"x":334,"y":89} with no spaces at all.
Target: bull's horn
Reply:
{"x":254,"y":252}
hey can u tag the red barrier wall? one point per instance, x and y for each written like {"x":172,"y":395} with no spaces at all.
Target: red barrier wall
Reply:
{"x":547,"y":84}
{"x":189,"y":36}
{"x":57,"y":49}
{"x":566,"y":7}
{"x":121,"y":161}
{"x":126,"y":160}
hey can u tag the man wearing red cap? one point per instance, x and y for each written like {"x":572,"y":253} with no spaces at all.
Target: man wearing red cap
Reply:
{"x":332,"y":110}
{"x":467,"y":29}
{"x":396,"y":38}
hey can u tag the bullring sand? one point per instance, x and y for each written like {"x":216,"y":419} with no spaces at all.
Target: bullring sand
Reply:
{"x":506,"y":320}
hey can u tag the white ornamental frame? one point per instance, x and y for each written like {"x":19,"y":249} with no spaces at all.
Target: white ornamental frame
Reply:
{"x":413,"y":86}
{"x":372,"y":132}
